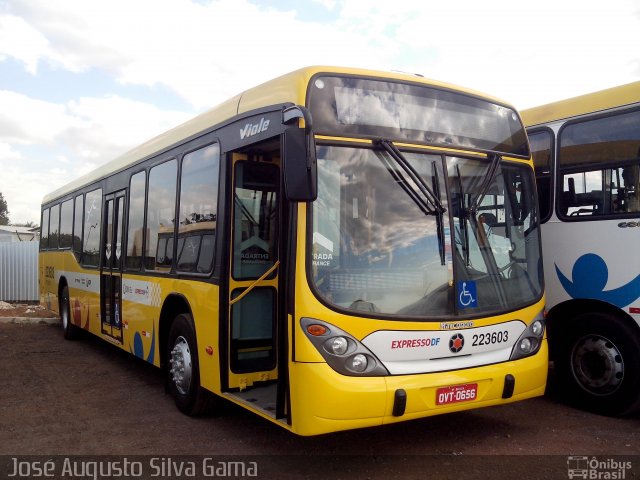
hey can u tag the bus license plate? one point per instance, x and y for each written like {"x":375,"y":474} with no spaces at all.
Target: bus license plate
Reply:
{"x":456,"y":393}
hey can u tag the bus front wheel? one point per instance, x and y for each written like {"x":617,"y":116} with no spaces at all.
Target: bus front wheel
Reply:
{"x":598,"y":364}
{"x":183,"y":368}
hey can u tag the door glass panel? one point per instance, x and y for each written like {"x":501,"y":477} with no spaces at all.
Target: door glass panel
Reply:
{"x":255,"y":219}
{"x":108,"y":254}
{"x":117,"y":240}
{"x":252,"y":331}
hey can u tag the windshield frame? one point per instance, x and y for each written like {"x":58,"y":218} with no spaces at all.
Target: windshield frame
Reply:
{"x":454,"y":312}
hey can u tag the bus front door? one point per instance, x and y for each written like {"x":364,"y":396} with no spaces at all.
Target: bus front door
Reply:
{"x":111,"y":273}
{"x":253,"y":281}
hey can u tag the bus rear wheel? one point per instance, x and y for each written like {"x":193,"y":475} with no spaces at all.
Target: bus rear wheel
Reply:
{"x":69,"y":330}
{"x":183,"y":368}
{"x":598,"y":364}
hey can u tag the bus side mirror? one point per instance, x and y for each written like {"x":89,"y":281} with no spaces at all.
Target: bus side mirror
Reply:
{"x":299,"y":164}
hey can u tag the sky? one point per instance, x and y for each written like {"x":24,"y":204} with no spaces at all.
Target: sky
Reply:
{"x":82,"y":81}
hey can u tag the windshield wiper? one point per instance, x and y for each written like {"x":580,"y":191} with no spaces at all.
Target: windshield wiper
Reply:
{"x":440,"y":217}
{"x":408,"y":169}
{"x":415,"y":196}
{"x":425,"y":198}
{"x":463,"y":219}
{"x":486,"y":183}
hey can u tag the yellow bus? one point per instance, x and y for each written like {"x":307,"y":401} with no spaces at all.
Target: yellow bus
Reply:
{"x":333,"y":249}
{"x":586,"y":153}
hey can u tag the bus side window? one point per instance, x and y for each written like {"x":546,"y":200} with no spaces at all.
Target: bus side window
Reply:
{"x":160,"y":211}
{"x":66,"y":224}
{"x":77,"y":227}
{"x":599,"y":161}
{"x":44,"y":230}
{"x":198,"y":211}
{"x":137,"y":189}
{"x":91,"y":232}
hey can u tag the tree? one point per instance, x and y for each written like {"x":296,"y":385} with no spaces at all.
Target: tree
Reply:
{"x":4,"y":212}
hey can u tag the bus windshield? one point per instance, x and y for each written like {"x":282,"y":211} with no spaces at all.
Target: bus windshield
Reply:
{"x":377,"y":246}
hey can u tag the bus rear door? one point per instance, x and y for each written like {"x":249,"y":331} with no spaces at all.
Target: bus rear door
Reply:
{"x":111,"y":272}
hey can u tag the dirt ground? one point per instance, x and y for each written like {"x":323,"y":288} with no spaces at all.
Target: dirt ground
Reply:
{"x":86,"y":397}
{"x":24,"y":310}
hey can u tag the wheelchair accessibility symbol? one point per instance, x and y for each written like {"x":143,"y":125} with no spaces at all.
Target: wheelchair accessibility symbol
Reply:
{"x":467,"y":297}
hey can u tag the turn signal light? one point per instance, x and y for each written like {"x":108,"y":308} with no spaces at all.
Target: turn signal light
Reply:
{"x":317,"y":330}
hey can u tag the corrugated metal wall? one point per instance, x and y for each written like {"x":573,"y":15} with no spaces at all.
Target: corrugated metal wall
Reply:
{"x":19,"y":271}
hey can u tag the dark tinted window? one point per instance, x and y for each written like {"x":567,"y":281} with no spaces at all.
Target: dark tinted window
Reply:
{"x":161,"y":210}
{"x":541,"y":149}
{"x":66,"y":224}
{"x":54,"y":226}
{"x":136,"y":221}
{"x":44,"y":230}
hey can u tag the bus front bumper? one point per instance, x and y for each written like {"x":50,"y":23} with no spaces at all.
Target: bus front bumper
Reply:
{"x":324,"y":401}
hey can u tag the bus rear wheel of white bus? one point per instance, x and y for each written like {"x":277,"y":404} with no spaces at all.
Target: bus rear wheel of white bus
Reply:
{"x":598,"y":364}
{"x":183,"y":368}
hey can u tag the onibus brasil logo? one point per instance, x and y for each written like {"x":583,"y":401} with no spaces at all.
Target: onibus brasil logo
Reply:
{"x":594,"y":468}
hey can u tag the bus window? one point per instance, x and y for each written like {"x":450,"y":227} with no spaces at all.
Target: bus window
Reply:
{"x":92,"y":219}
{"x":541,"y":148}
{"x":160,"y":210}
{"x":44,"y":230}
{"x":198,"y":209}
{"x":77,"y":226}
{"x":137,"y":189}
{"x":66,"y":224}
{"x":599,"y":161}
{"x":54,"y":226}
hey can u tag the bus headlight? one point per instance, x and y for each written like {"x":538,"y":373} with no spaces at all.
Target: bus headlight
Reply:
{"x":342,"y":352}
{"x":357,"y":363}
{"x":525,"y":345}
{"x":537,"y":328}
{"x":529,"y":342}
{"x":337,"y":345}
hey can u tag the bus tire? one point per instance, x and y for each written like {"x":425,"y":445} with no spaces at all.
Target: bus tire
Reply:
{"x":69,"y":330}
{"x":598,"y":364}
{"x":183,"y":370}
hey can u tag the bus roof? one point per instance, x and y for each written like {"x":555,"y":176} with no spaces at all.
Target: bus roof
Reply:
{"x":589,"y":103}
{"x":291,"y":87}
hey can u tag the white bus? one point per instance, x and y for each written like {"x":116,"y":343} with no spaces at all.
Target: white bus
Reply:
{"x":587,"y":159}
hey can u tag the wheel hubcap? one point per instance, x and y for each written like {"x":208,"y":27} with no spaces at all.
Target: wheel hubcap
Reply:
{"x":597,"y":365}
{"x":181,"y":365}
